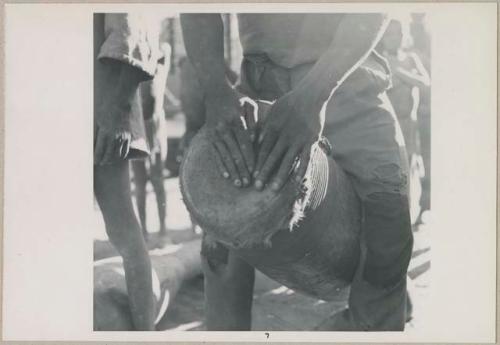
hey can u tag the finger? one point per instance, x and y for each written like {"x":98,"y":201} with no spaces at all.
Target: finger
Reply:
{"x":273,"y":159}
{"x":99,"y":148}
{"x":284,"y":170}
{"x":228,"y":162}
{"x":121,"y":149}
{"x":124,"y":145}
{"x":125,"y":148}
{"x":110,"y":151}
{"x":236,"y":156}
{"x":303,"y":164}
{"x":246,"y":148}
{"x":264,"y":151}
{"x":220,"y":165}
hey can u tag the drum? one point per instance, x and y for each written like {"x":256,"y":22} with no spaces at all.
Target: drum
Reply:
{"x":305,"y":236}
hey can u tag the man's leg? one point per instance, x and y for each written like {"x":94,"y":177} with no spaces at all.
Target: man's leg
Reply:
{"x":141,"y":179}
{"x":378,"y":294}
{"x":367,"y":144}
{"x":156,"y":173}
{"x":112,"y":191}
{"x":229,"y":283}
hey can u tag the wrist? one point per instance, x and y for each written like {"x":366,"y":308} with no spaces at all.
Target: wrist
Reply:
{"x":319,"y":83}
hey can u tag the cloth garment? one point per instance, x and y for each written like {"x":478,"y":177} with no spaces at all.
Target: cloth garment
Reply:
{"x":289,"y":39}
{"x":368,"y":144}
{"x":132,"y":39}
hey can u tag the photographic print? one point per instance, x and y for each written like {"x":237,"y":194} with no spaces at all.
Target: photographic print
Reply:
{"x":293,"y":145}
{"x":250,"y":172}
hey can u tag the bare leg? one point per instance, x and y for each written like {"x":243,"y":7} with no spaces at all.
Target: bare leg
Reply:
{"x":141,"y":179}
{"x":228,"y":292}
{"x":156,"y":170}
{"x":112,"y":190}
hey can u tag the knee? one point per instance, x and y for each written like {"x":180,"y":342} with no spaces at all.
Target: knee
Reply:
{"x":389,"y":179}
{"x":387,"y":220}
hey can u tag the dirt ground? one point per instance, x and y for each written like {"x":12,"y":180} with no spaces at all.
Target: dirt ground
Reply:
{"x":275,"y":306}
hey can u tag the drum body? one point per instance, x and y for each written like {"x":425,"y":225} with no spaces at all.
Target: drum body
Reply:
{"x":305,"y":237}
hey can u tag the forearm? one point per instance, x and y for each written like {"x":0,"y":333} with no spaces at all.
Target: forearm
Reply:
{"x":356,"y":36}
{"x":204,"y":40}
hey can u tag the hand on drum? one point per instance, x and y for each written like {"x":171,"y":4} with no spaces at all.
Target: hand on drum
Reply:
{"x":287,"y":135}
{"x":232,"y":126}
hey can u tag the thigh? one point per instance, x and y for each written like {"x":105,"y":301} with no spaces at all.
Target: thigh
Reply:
{"x":367,"y":143}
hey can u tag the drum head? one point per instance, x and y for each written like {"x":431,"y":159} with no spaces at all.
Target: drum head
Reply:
{"x":238,"y":217}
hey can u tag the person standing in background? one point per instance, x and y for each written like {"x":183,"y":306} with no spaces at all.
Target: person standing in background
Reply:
{"x":125,"y":54}
{"x":422,"y":48}
{"x":408,"y":77}
{"x":152,"y":99}
{"x":409,"y":80}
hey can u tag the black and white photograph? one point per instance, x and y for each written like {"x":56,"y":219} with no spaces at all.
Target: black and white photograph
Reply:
{"x":251,"y":168}
{"x":292,"y":145}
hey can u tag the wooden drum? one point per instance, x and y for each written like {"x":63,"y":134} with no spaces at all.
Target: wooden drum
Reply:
{"x":306,"y":236}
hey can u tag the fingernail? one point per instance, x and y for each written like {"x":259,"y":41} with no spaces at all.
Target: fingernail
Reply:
{"x":255,"y":174}
{"x":225,"y":174}
{"x":298,"y":178}
{"x":275,"y":186}
{"x":259,"y":184}
{"x":252,"y":137}
{"x":261,"y":137}
{"x":245,"y":181}
{"x":237,"y":183}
